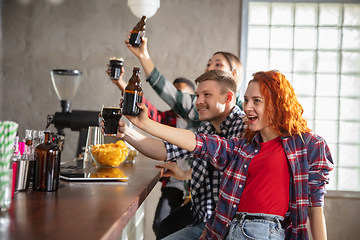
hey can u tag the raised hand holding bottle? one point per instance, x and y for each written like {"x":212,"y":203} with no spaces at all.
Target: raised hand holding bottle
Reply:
{"x":138,"y":32}
{"x":133,"y":94}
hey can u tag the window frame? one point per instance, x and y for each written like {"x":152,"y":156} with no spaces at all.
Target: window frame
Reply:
{"x":245,"y":16}
{"x":243,"y":59}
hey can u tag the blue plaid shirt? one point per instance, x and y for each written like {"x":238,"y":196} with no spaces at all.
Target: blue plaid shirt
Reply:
{"x":309,"y":159}
{"x":205,"y":179}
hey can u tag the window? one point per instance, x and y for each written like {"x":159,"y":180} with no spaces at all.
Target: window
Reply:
{"x":317,"y":47}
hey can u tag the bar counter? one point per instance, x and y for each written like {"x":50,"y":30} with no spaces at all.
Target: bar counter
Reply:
{"x":80,"y":210}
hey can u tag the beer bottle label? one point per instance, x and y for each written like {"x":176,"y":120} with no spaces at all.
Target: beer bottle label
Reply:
{"x":130,"y":103}
{"x":135,"y":39}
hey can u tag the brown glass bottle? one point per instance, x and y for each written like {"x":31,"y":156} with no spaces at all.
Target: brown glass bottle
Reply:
{"x":47,"y":165}
{"x":133,"y":94}
{"x":137,"y":32}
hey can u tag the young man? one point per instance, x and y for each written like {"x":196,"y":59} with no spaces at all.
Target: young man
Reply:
{"x":274,"y":175}
{"x":216,"y":104}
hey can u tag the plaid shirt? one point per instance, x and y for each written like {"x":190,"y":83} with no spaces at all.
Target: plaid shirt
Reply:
{"x":205,"y":179}
{"x":182,"y":104}
{"x":309,"y":159}
{"x":167,"y":117}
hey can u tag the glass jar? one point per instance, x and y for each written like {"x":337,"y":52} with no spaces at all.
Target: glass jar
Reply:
{"x":47,"y":165}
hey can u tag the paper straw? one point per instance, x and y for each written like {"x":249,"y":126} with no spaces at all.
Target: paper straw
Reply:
{"x":7,"y":139}
{"x":2,"y":134}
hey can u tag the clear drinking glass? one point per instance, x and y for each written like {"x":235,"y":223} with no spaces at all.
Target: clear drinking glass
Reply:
{"x":35,"y":137}
{"x":132,"y":151}
{"x":94,"y":137}
{"x":111,"y":116}
{"x":115,"y":67}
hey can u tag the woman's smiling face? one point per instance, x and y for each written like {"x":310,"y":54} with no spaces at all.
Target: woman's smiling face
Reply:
{"x":218,"y":61}
{"x":254,"y":107}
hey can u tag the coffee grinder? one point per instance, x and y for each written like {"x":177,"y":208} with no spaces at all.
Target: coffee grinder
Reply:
{"x":66,"y":84}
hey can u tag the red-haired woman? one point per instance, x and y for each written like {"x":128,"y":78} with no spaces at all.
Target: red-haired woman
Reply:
{"x":274,"y":175}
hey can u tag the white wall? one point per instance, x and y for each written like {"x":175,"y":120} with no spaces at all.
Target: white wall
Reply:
{"x":84,"y":34}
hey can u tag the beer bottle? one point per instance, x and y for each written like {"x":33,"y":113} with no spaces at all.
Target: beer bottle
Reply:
{"x":137,"y":32}
{"x":133,"y":94}
{"x":47,"y":165}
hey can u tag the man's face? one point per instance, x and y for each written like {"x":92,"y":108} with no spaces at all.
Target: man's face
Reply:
{"x":183,"y":87}
{"x":210,"y":101}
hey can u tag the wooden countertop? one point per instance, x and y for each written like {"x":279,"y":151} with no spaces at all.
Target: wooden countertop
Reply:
{"x":80,"y":210}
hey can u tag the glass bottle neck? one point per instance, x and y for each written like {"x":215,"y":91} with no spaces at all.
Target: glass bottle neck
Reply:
{"x":48,"y":137}
{"x":135,"y":79}
{"x":136,"y":73}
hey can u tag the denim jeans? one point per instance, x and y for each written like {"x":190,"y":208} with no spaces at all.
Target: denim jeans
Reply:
{"x":188,"y":233}
{"x":244,"y":229}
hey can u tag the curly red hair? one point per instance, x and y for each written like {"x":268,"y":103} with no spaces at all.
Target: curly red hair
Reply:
{"x":282,"y":108}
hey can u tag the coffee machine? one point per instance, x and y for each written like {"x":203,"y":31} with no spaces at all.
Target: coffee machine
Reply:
{"x":66,"y":83}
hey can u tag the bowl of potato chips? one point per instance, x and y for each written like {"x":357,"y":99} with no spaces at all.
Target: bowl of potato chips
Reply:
{"x":109,"y":154}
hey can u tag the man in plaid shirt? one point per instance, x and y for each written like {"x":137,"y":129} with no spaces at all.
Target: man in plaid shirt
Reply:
{"x":205,"y":179}
{"x":220,"y":115}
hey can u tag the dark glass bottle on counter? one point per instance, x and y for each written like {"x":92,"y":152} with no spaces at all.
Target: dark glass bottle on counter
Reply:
{"x":47,"y":165}
{"x":133,"y":94}
{"x":137,"y":32}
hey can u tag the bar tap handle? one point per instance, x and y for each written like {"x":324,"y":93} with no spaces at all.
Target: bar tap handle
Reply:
{"x":49,"y":120}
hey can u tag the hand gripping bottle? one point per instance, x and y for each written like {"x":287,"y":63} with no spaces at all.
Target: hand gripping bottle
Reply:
{"x":133,"y":94}
{"x":137,"y":32}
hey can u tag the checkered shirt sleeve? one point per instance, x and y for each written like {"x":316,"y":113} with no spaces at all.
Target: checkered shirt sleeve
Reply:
{"x":205,"y":180}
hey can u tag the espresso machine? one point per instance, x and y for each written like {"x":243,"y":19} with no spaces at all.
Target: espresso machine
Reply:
{"x":66,"y":83}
